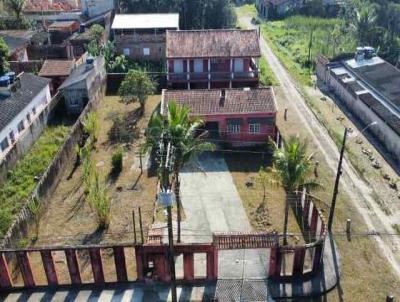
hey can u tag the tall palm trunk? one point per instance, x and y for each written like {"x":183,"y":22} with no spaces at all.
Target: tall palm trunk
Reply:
{"x":177,"y":198}
{"x":285,"y":226}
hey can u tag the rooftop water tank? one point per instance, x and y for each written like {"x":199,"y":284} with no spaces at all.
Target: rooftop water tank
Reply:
{"x":5,"y":86}
{"x":11,"y":74}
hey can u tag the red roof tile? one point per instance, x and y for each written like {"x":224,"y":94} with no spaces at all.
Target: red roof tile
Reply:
{"x":54,"y":68}
{"x":214,"y":43}
{"x":206,"y":102}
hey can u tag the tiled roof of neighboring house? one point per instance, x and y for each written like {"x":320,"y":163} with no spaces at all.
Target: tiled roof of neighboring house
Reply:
{"x":52,"y":68}
{"x":141,"y":21}
{"x":46,"y":5}
{"x":16,"y":39}
{"x":64,"y":26}
{"x":10,"y":107}
{"x":206,"y":102}
{"x":81,"y":72}
{"x":220,"y":43}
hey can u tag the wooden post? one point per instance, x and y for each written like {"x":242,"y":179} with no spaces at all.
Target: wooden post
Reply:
{"x":120,"y":264}
{"x":134,"y":225}
{"x":25,"y":267}
{"x":298,"y":262}
{"x":73,"y":267}
{"x":5,"y":280}
{"x":188,"y":267}
{"x":49,"y":268}
{"x":141,"y":163}
{"x":274,"y":263}
{"x":141,"y":225}
{"x":97,"y":266}
{"x":348,"y":229}
{"x":139,"y":262}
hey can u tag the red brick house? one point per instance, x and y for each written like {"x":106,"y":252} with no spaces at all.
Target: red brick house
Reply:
{"x":223,"y":58}
{"x":237,"y":116}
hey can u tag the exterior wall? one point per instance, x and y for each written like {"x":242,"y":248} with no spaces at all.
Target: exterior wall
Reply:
{"x":27,"y":138}
{"x":382,"y":131}
{"x":20,"y":55}
{"x":40,"y":103}
{"x":244,"y":137}
{"x":136,"y":45}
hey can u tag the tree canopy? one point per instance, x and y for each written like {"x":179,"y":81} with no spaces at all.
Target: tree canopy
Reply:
{"x":200,"y":14}
{"x":4,"y":65}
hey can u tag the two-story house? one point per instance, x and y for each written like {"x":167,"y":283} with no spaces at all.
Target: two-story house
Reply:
{"x":142,"y":36}
{"x":217,"y":58}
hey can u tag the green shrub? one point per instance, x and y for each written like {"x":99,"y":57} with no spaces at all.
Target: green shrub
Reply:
{"x":91,"y":127}
{"x":100,"y":201}
{"x":116,"y":161}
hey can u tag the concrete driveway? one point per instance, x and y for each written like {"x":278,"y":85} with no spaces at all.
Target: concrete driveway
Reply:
{"x":212,"y":204}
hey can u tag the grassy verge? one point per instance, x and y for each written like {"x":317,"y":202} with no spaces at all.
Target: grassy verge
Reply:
{"x":267,"y":76}
{"x":290,"y":40}
{"x":22,"y":179}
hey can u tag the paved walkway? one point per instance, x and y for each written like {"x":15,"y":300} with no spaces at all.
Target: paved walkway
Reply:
{"x":212,"y":204}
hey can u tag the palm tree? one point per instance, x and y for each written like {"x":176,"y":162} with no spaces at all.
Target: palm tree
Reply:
{"x":181,"y":131}
{"x":293,"y":167}
{"x":364,"y":23}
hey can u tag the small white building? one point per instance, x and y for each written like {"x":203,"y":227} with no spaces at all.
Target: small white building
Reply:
{"x":21,"y":104}
{"x":370,"y":88}
{"x":143,"y":36}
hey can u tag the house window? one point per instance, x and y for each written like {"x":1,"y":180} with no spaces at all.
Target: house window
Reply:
{"x":126,"y":51}
{"x":21,"y":126}
{"x":28,"y":117}
{"x":12,"y":137}
{"x":233,"y":128}
{"x":198,"y":65}
{"x":34,"y":110}
{"x":238,"y":65}
{"x":254,"y":128}
{"x":4,"y":144}
{"x":146,"y":51}
{"x":178,"y":66}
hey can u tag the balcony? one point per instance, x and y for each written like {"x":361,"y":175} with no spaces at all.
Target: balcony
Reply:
{"x":213,"y":76}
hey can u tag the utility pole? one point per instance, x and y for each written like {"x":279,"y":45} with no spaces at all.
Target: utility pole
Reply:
{"x":336,"y":188}
{"x":165,"y":150}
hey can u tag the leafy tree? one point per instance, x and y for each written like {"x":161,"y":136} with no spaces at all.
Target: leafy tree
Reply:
{"x":293,"y":168}
{"x":136,"y":87}
{"x":263,"y":180}
{"x":4,"y":51}
{"x":364,"y":24}
{"x":16,"y":6}
{"x":96,"y":33}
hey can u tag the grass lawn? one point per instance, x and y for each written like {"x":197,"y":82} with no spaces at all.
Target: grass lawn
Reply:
{"x":267,"y":76}
{"x":264,"y":215}
{"x":290,"y":39}
{"x":21,"y":180}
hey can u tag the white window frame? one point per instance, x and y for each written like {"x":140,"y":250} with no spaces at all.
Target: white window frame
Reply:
{"x":255,"y":128}
{"x":233,"y":128}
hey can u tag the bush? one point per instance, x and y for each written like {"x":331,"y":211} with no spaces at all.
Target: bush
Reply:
{"x":100,"y":201}
{"x":116,"y":161}
{"x":91,"y":127}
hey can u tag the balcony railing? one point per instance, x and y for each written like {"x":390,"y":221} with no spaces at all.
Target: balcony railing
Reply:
{"x":213,"y":76}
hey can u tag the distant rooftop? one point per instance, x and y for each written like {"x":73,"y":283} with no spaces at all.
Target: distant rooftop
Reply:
{"x":214,"y":43}
{"x":16,"y":39}
{"x":145,"y":21}
{"x":207,"y":102}
{"x":11,"y":106}
{"x":54,"y":68}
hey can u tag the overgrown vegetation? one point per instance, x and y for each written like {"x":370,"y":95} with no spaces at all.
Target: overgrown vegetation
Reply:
{"x":99,"y":200}
{"x":23,"y":178}
{"x":298,"y":40}
{"x":4,"y":65}
{"x":267,"y":76}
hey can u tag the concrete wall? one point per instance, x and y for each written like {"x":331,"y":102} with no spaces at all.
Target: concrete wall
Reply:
{"x":50,"y":178}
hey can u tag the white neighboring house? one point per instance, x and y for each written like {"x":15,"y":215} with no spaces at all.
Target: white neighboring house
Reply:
{"x":21,"y":103}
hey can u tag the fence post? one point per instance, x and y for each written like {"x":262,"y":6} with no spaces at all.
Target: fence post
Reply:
{"x":120,"y":264}
{"x":5,"y":280}
{"x":73,"y":268}
{"x":49,"y":268}
{"x":141,"y":225}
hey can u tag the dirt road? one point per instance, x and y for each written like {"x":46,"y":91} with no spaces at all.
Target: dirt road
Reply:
{"x":358,"y":191}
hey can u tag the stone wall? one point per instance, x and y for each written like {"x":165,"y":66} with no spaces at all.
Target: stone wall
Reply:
{"x":51,"y":177}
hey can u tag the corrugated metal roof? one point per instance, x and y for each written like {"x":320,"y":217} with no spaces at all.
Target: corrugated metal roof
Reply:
{"x":143,"y":21}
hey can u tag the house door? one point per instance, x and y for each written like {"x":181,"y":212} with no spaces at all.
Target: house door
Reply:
{"x":178,"y":66}
{"x":239,"y":65}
